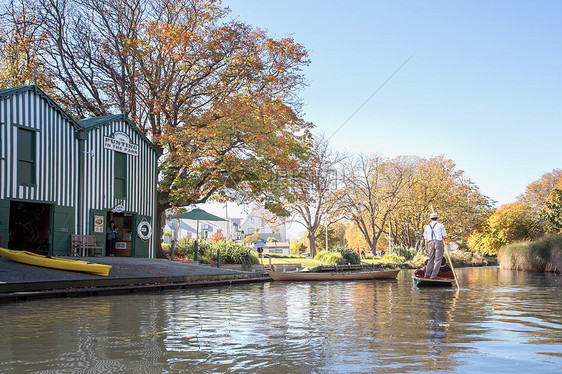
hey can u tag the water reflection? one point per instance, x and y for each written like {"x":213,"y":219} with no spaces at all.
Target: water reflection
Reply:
{"x":498,"y":320}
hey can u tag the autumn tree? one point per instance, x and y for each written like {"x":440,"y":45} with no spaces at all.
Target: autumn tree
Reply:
{"x":438,"y":185}
{"x":308,"y":195}
{"x":217,"y":97}
{"x":21,"y":39}
{"x":336,"y":236}
{"x":354,"y":238}
{"x":551,"y":212}
{"x":537,"y":192}
{"x":372,"y":188}
{"x":218,"y":237}
{"x":540,"y":193}
{"x":508,"y":224}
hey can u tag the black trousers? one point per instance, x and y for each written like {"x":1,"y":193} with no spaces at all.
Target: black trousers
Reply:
{"x":110,"y":247}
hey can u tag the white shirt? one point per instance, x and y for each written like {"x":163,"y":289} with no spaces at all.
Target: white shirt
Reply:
{"x":434,"y":231}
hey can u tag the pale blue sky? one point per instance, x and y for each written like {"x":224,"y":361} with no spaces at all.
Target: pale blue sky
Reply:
{"x":484,"y":85}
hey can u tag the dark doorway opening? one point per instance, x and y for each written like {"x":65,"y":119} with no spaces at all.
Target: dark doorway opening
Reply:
{"x":29,"y":226}
{"x":124,"y":225}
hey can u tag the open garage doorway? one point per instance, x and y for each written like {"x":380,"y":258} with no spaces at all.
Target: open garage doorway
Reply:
{"x":29,"y":226}
{"x":124,"y":225}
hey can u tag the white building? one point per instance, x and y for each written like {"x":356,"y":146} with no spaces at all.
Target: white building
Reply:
{"x":186,"y":228}
{"x":256,"y":223}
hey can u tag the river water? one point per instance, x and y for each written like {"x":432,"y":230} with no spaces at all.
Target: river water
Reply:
{"x":500,"y":322}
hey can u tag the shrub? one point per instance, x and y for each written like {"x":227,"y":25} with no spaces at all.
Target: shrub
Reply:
{"x":349,"y":255}
{"x":391,"y":257}
{"x":251,"y":238}
{"x":400,"y":251}
{"x":418,"y":261}
{"x":543,"y":255}
{"x":330,"y":258}
{"x":218,"y":237}
{"x":166,"y":249}
{"x":231,"y":253}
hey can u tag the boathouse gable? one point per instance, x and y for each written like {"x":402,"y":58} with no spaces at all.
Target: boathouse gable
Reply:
{"x":38,"y":171}
{"x":120,"y":170}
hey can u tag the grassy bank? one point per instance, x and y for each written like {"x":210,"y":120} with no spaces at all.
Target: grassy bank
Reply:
{"x":544,"y":255}
{"x":459,"y":258}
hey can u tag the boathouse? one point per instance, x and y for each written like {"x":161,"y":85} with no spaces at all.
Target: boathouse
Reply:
{"x":60,"y":176}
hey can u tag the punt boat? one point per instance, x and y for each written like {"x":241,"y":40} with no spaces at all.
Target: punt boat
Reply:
{"x":428,"y":282}
{"x":323,"y":273}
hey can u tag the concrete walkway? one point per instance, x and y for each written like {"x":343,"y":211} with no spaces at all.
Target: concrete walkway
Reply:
{"x":22,"y":282}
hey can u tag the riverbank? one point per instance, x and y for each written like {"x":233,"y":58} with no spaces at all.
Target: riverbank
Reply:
{"x":459,"y":258}
{"x":20,"y":282}
{"x":543,"y":255}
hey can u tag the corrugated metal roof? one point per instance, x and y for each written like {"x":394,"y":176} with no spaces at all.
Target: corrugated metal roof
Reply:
{"x":90,"y":123}
{"x":15,"y":90}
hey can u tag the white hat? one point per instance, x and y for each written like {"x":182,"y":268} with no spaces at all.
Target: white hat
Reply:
{"x":433,"y":215}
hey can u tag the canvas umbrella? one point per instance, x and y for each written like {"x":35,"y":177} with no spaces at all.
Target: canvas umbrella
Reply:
{"x":197,"y":214}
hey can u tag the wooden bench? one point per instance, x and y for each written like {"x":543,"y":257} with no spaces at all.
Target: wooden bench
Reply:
{"x":82,"y":245}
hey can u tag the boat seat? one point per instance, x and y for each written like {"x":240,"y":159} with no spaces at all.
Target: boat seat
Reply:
{"x":83,"y":245}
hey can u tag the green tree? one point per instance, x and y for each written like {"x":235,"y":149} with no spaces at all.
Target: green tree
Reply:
{"x":508,"y":224}
{"x":296,"y":247}
{"x":552,"y":211}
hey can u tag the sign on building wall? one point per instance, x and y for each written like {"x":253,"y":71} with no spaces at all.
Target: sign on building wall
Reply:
{"x":120,"y":142}
{"x":98,"y":224}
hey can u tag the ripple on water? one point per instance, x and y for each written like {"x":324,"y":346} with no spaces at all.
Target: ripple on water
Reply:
{"x":496,"y":321}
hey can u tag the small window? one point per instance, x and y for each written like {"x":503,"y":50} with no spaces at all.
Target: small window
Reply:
{"x":26,"y":156}
{"x":120,"y":172}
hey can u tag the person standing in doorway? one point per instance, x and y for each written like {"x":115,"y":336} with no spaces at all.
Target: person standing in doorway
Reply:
{"x":434,"y":234}
{"x":111,"y":236}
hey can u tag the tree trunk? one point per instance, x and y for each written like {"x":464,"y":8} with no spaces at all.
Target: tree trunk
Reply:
{"x":160,"y":210}
{"x":312,"y":243}
{"x":374,"y":246}
{"x":417,"y":248}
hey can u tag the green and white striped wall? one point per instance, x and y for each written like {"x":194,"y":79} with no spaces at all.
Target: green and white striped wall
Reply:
{"x":74,"y":172}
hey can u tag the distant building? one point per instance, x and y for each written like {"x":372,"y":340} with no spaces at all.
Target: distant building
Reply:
{"x":255,"y":223}
{"x":186,"y":228}
{"x":278,"y":248}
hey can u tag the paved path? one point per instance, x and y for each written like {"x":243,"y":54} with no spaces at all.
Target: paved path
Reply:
{"x":20,"y":281}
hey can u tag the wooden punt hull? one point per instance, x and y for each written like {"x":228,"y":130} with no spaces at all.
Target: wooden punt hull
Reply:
{"x":427,"y":282}
{"x":54,"y":262}
{"x":335,"y":275}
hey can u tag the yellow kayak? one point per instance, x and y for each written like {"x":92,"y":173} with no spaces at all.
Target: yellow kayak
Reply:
{"x":54,"y":262}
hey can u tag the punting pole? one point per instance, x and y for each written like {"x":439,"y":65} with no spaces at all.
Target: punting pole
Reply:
{"x":451,"y":262}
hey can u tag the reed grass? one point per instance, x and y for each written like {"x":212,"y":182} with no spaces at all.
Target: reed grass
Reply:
{"x":543,"y":255}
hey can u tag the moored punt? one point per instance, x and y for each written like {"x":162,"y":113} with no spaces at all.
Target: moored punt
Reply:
{"x":332,"y":275}
{"x":54,"y":262}
{"x":428,"y":282}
